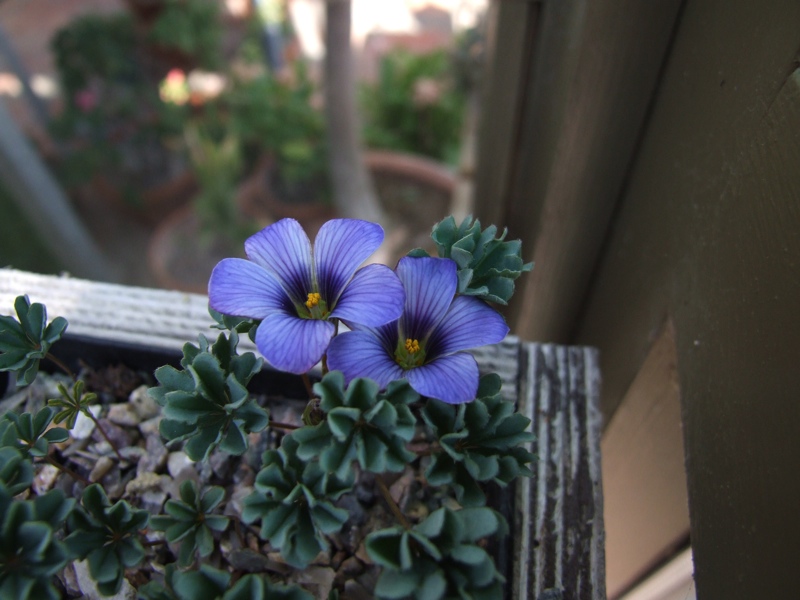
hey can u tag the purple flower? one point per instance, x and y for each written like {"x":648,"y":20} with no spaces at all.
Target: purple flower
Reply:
{"x":425,"y":345}
{"x":296,"y":291}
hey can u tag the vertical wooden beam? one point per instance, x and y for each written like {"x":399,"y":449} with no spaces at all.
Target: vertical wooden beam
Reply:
{"x":707,"y":233}
{"x":510,"y":36}
{"x":586,"y":93}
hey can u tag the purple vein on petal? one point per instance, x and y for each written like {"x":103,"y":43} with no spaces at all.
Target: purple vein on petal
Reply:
{"x":452,"y":379}
{"x":241,"y":288}
{"x":374,"y":297}
{"x":361,"y":354}
{"x":469,"y":323}
{"x":430,"y":285}
{"x":340,"y":248}
{"x":292,"y":344}
{"x":283,"y":248}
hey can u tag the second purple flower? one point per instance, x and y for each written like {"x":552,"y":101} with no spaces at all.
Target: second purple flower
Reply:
{"x":426,"y":345}
{"x":295,"y":290}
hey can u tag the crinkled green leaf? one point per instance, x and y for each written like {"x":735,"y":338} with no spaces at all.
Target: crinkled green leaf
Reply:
{"x":439,"y":558}
{"x":487,"y":265}
{"x":210,"y":394}
{"x":26,"y":340}
{"x":293,"y":499}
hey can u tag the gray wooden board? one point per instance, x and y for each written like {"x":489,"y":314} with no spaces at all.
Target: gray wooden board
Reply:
{"x":559,"y":539}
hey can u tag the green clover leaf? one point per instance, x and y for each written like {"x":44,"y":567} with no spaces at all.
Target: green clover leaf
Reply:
{"x":480,"y":442}
{"x":26,"y":340}
{"x":189,"y":521}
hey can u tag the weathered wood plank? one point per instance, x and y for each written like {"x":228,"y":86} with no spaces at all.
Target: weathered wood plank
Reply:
{"x":559,"y":511}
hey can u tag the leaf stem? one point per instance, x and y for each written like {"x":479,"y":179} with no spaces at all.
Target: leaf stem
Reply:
{"x":387,"y":496}
{"x":89,"y":414}
{"x":278,"y":425}
{"x":307,"y":383}
{"x":424,"y":448}
{"x":56,"y":361}
{"x":67,"y":470}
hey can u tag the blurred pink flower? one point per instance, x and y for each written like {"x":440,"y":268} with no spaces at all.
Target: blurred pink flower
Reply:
{"x":85,"y":99}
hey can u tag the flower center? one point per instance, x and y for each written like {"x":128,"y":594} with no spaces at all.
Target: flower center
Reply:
{"x":409,"y":354}
{"x":313,"y":300}
{"x":317,"y":307}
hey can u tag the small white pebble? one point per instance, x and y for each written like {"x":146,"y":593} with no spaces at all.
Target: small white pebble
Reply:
{"x":177,"y":462}
{"x":84,"y":426}
{"x":101,"y":467}
{"x":45,"y":479}
{"x":123,"y":414}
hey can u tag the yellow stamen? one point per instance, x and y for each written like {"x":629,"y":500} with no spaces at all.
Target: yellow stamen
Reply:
{"x":412,"y":346}
{"x":313,"y":300}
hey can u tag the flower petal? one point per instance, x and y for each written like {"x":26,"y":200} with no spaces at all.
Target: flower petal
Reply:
{"x":292,"y":344}
{"x":340,"y":248}
{"x":469,"y":323}
{"x":452,"y":379}
{"x":284,"y":250}
{"x":361,"y":354}
{"x":430,"y":285}
{"x":241,"y":288}
{"x":374,"y":297}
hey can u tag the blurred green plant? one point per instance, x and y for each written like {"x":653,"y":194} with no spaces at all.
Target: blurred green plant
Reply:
{"x":192,"y":27}
{"x":217,"y":165}
{"x":277,"y":115}
{"x":414,"y":106}
{"x":112,"y":121}
{"x":30,"y":552}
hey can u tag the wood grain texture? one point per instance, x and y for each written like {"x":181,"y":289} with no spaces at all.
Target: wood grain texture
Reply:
{"x":560,"y":515}
{"x":561,"y":545}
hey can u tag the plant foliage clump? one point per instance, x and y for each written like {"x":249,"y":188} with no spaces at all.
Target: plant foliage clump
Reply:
{"x":189,"y":521}
{"x":440,"y":557}
{"x":487,"y":265}
{"x":481,"y":442}
{"x":30,"y":434}
{"x":293,"y":499}
{"x":30,"y":553}
{"x":105,"y":534}
{"x":208,"y":583}
{"x":26,"y":340}
{"x":361,"y":424}
{"x":207,"y":403}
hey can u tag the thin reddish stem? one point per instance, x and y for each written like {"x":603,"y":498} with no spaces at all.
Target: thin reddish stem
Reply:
{"x":67,"y":470}
{"x":387,"y":496}
{"x":104,"y":434}
{"x":57,"y":362}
